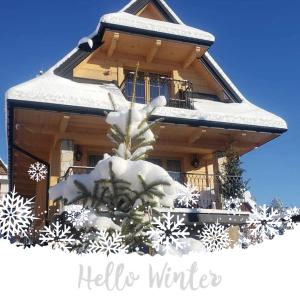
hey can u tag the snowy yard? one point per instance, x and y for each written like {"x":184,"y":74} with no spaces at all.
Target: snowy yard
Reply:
{"x":268,"y":270}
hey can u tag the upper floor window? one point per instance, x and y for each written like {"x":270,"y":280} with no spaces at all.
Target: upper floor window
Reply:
{"x":148,"y":86}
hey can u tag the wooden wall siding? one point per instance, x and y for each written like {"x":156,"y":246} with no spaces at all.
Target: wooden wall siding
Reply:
{"x":169,"y":59}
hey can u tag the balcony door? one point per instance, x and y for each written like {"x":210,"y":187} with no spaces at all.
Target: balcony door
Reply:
{"x":148,"y":86}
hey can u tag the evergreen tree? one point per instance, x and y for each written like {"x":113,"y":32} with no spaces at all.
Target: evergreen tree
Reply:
{"x":277,"y":204}
{"x":232,"y":183}
{"x":130,"y":209}
{"x":130,"y":128}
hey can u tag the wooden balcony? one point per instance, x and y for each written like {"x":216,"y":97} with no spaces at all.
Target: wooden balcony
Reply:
{"x":149,"y":86}
{"x":206,"y":185}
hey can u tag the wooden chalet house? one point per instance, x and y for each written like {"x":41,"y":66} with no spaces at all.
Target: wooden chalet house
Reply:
{"x":58,"y":118}
{"x":3,"y":179}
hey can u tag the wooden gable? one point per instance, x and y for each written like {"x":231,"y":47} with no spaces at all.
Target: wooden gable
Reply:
{"x":152,"y":9}
{"x":151,"y":12}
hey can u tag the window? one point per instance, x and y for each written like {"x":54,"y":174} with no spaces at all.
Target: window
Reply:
{"x":158,"y":86}
{"x":174,"y":169}
{"x":93,"y":160}
{"x":156,"y":161}
{"x":148,"y":86}
{"x":140,"y":86}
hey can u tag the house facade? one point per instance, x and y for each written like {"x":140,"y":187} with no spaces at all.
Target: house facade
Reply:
{"x":3,"y":179}
{"x":58,"y":118}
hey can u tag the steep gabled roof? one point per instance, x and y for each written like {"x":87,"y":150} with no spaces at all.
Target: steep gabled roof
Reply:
{"x":135,"y":6}
{"x":54,"y":89}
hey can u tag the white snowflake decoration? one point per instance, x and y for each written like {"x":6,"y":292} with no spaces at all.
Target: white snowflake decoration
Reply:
{"x":16,"y":215}
{"x":78,"y":217}
{"x":37,"y":171}
{"x":166,"y":232}
{"x":233,"y":204}
{"x":107,"y":243}
{"x":264,"y":223}
{"x":57,"y":236}
{"x":188,"y":195}
{"x":215,"y":237}
{"x":244,"y":239}
{"x":287,"y":217}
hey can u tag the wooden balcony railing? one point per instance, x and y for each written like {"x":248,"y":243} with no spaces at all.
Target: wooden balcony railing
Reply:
{"x":206,"y":185}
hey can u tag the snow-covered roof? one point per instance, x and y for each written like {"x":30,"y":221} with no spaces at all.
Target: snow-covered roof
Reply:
{"x":179,"y":30}
{"x":53,"y":89}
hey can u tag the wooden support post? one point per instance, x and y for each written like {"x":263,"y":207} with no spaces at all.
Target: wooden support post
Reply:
{"x":193,"y":55}
{"x":218,"y":158}
{"x":153,"y":51}
{"x":113,"y":44}
{"x":121,"y":74}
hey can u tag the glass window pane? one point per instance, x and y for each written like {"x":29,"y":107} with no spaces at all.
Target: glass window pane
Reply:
{"x":156,"y":161}
{"x":174,"y":169}
{"x":93,"y":160}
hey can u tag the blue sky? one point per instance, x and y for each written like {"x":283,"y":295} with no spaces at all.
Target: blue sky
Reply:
{"x":257,"y":44}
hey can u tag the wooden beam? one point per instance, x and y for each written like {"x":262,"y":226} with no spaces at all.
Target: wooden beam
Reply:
{"x":113,"y":44}
{"x":64,"y":123}
{"x":153,"y":51}
{"x":192,"y":56}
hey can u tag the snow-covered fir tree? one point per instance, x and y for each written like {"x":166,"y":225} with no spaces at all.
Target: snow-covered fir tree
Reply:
{"x":123,"y":190}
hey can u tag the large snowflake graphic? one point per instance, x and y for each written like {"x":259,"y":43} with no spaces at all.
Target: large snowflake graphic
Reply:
{"x":188,"y":195}
{"x":215,"y":237}
{"x":107,"y":243}
{"x":233,"y":204}
{"x":37,"y":171}
{"x":57,"y":236}
{"x":287,"y":218}
{"x":16,"y":215}
{"x":166,"y":232}
{"x":264,"y":223}
{"x":78,"y":216}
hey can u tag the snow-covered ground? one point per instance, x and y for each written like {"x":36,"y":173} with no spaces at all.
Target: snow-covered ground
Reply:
{"x":268,"y":270}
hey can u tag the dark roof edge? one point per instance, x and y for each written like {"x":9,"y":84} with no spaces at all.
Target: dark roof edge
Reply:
{"x":99,"y":111}
{"x":220,"y":79}
{"x":140,"y":4}
{"x":11,"y":104}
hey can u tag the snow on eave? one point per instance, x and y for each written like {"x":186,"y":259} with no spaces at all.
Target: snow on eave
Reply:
{"x":56,"y":90}
{"x":132,"y":21}
{"x":170,"y":10}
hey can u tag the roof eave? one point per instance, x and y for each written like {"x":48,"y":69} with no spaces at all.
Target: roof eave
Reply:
{"x":133,"y":30}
